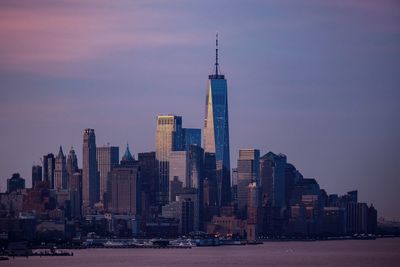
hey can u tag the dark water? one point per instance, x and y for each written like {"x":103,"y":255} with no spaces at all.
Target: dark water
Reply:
{"x":381,"y":252}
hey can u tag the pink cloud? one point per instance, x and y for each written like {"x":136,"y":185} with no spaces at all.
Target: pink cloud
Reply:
{"x":56,"y":39}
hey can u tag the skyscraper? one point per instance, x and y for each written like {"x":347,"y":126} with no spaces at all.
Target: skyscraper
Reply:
{"x":90,"y":177}
{"x":60,"y":174}
{"x":178,"y":172}
{"x":49,"y":164}
{"x":72,"y":163}
{"x":36,"y":175}
{"x":125,"y":186}
{"x":107,"y":157}
{"x":168,"y":138}
{"x":248,"y":171}
{"x":149,"y":176}
{"x":216,"y":130}
{"x":272,"y":173}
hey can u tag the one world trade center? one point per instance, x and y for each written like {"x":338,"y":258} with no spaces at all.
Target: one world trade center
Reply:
{"x":216,"y":131}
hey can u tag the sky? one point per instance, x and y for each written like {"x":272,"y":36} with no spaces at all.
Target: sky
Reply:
{"x":318,"y":81}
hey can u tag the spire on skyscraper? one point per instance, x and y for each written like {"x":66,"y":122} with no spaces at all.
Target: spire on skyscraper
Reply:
{"x":127,"y":156}
{"x":216,"y":55}
{"x":216,"y":74}
{"x":60,"y":153}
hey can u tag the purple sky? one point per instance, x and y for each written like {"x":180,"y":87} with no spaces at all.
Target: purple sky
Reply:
{"x":316,"y":80}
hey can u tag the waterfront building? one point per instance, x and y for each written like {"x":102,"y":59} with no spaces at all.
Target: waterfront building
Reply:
{"x":253,"y":210}
{"x":216,"y":131}
{"x":226,"y":225}
{"x":356,"y":218}
{"x":107,"y":157}
{"x":90,"y":176}
{"x":333,"y":221}
{"x":60,"y":173}
{"x":168,"y":139}
{"x":36,"y":175}
{"x":49,"y":164}
{"x":372,"y":220}
{"x":248,"y":171}
{"x":15,"y":183}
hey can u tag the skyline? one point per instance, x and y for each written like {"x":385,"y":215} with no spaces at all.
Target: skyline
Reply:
{"x":314,"y":97}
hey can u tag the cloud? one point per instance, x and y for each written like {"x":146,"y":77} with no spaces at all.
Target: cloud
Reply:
{"x":57,"y":38}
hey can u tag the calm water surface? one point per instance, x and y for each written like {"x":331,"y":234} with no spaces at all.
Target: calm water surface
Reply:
{"x":381,"y":252}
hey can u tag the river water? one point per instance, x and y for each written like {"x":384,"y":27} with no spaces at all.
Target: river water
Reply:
{"x":380,"y":252}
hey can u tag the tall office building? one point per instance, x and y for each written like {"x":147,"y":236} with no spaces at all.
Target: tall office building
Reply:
{"x":60,"y":174}
{"x":75,"y":187}
{"x":168,"y":138}
{"x":125,"y":186}
{"x":216,"y":131}
{"x":49,"y":164}
{"x":272,"y":175}
{"x":36,"y":175}
{"x":191,"y":136}
{"x":90,"y":177}
{"x":253,"y":203}
{"x":149,"y":176}
{"x":107,"y":158}
{"x":72,"y":163}
{"x":248,"y":171}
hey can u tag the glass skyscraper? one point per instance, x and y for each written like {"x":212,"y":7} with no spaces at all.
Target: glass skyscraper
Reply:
{"x":168,"y":138}
{"x":216,"y":131}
